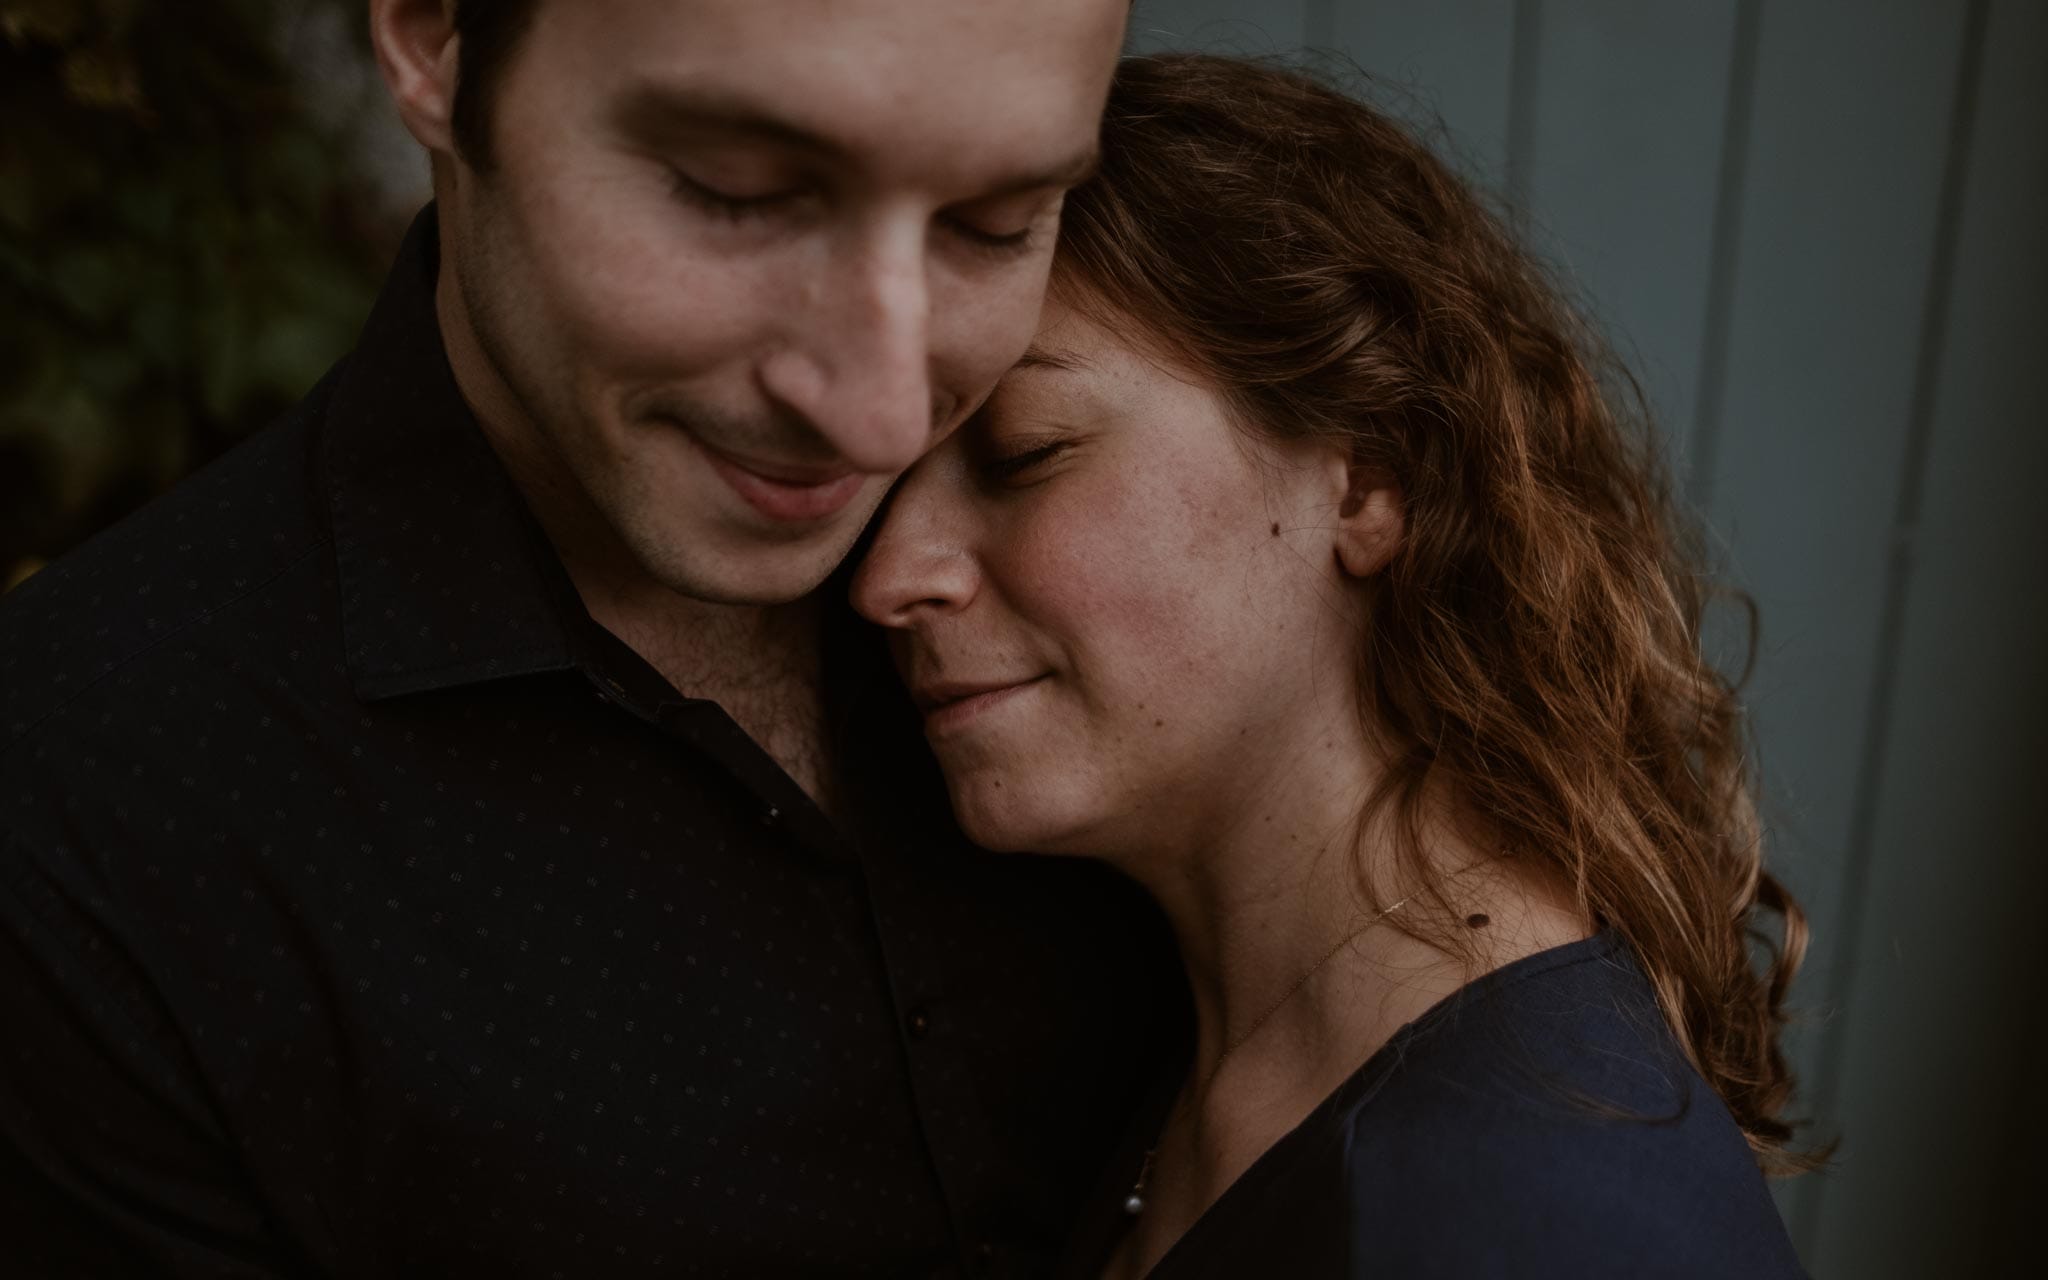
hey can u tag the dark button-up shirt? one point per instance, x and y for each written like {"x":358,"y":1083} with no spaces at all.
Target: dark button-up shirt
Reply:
{"x":365,"y":907}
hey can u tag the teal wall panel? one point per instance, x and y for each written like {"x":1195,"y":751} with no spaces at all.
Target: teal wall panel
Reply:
{"x":1627,"y":107}
{"x":1219,"y":26}
{"x":1455,"y":56}
{"x":1848,"y":141}
{"x":1938,"y":981}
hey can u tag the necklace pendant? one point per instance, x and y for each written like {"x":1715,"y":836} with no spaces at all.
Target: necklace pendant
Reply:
{"x":1134,"y":1203}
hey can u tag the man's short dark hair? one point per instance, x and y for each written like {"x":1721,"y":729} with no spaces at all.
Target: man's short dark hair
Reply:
{"x":490,"y":31}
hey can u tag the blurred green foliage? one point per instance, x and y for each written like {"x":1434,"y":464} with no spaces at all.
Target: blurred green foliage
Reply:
{"x":185,"y":246}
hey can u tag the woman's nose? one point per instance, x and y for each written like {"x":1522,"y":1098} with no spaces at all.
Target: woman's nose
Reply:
{"x":920,"y":562}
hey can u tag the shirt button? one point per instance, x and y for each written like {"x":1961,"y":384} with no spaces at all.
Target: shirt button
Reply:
{"x":920,"y":1024}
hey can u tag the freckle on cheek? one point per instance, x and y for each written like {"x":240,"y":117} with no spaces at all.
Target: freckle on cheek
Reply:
{"x":1159,"y":724}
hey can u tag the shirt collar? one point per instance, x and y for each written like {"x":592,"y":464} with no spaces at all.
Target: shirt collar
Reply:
{"x":445,"y":577}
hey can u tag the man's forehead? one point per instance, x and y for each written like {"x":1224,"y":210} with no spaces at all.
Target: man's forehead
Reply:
{"x":863,"y":35}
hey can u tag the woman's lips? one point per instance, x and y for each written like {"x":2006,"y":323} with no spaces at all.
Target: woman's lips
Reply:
{"x":788,"y":496}
{"x":947,"y":715}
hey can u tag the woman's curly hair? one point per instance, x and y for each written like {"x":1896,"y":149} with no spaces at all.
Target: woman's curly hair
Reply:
{"x":1533,"y":652}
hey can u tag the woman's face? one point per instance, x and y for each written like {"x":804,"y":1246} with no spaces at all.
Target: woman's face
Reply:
{"x":1125,"y":619}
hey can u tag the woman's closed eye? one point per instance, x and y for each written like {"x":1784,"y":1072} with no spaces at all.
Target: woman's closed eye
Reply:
{"x":1020,"y":462}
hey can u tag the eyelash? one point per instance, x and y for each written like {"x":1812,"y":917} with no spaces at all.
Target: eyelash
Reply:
{"x":1004,"y":244}
{"x":1011,"y":466}
{"x":731,"y":208}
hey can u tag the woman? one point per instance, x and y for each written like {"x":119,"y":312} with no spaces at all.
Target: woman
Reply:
{"x":1304,"y":571}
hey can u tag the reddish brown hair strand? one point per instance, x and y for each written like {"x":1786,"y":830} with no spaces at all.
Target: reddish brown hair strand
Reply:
{"x":1534,"y":650}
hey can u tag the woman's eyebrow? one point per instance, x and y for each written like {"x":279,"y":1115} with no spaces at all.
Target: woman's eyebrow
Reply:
{"x":1080,"y":396}
{"x":1038,"y":357}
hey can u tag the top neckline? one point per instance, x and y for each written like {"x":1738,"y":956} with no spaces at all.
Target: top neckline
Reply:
{"x":1105,"y":1222}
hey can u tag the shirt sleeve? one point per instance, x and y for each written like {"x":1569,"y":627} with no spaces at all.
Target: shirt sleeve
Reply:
{"x":111,"y":1159}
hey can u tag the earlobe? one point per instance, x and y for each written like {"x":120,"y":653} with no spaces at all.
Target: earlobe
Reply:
{"x":1371,"y":521}
{"x":417,"y":48}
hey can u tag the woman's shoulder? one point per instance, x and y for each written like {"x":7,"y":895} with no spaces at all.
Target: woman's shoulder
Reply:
{"x":1544,"y":1121}
{"x":1533,"y":1043}
{"x":1541,"y":1122}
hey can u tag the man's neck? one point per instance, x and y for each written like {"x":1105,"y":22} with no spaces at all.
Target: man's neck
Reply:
{"x":760,"y":663}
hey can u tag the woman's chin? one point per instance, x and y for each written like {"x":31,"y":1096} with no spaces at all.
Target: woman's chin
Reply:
{"x":1006,"y":816}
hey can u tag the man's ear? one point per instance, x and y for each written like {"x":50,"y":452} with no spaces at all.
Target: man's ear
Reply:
{"x":1371,"y":521}
{"x":417,"y":51}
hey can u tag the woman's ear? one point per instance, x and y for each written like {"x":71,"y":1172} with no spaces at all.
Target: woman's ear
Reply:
{"x":1371,"y":521}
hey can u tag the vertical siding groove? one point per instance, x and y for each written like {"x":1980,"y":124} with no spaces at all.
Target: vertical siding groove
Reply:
{"x":1898,"y":581}
{"x":1526,"y":45}
{"x":1723,"y":256}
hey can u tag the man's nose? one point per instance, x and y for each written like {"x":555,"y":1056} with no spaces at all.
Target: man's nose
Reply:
{"x":858,"y":367}
{"x":918,"y":563}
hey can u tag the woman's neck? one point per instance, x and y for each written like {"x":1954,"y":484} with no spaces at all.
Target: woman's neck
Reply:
{"x":1298,"y":974}
{"x":1260,"y":884}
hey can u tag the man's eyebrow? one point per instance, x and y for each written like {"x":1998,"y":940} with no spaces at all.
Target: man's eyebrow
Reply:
{"x":657,"y":111}
{"x":652,"y":110}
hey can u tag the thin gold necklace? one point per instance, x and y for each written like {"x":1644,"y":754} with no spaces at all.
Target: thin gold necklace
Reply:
{"x":1134,"y":1203}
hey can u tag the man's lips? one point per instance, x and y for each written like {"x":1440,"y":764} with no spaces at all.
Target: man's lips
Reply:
{"x":783,"y":491}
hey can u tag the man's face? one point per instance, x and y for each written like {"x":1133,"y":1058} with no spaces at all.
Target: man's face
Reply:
{"x":737,"y":263}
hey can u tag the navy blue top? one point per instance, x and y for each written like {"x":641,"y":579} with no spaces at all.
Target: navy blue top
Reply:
{"x":1540,"y":1122}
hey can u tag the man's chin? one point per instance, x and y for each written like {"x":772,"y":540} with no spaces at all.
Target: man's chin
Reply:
{"x":751,"y":574}
{"x":701,"y":541}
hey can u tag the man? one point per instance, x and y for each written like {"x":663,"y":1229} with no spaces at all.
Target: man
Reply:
{"x":456,"y":833}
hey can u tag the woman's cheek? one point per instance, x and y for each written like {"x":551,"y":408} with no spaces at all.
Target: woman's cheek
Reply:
{"x":1082,"y":557}
{"x":1108,"y":575}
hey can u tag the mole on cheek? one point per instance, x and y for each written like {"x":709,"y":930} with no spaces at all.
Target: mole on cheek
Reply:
{"x":1276,"y":528}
